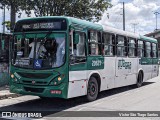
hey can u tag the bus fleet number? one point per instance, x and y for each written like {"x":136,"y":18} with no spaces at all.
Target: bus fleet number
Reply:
{"x":96,"y":63}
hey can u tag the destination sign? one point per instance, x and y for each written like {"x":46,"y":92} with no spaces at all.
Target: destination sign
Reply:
{"x":50,"y":25}
{"x":43,"y":24}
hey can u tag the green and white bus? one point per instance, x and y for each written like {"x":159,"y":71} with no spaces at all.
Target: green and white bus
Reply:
{"x":67,"y":57}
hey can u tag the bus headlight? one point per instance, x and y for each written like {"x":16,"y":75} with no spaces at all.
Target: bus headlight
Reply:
{"x":12,"y":75}
{"x":59,"y":78}
{"x":56,"y":81}
{"x":14,"y":79}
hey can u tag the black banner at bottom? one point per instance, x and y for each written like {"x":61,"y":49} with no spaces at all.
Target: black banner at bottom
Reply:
{"x":41,"y":114}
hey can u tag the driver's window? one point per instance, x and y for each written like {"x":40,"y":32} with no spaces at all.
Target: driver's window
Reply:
{"x":81,"y":45}
{"x":77,"y":50}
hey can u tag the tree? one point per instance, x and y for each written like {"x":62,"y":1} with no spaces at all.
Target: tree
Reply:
{"x":83,"y":9}
{"x":91,"y":10}
{"x":7,"y":24}
{"x":14,"y":6}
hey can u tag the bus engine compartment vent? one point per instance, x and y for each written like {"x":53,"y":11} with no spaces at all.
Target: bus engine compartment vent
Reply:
{"x":35,"y":90}
{"x":34,"y":75}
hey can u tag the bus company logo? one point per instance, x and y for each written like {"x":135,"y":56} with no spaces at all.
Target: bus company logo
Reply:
{"x":33,"y":82}
{"x":123,"y":64}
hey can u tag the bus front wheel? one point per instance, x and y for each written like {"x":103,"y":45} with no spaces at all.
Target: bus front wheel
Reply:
{"x":139,"y":80}
{"x":92,"y":90}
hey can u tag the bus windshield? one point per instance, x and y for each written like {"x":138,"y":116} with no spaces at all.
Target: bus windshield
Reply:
{"x":39,"y":51}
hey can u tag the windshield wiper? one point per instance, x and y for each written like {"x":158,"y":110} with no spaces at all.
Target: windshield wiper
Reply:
{"x":45,"y":38}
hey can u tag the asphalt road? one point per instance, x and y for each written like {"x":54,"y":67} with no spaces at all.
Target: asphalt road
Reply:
{"x":145,"y":98}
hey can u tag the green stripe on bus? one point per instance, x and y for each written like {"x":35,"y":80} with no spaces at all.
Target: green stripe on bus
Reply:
{"x":148,"y":61}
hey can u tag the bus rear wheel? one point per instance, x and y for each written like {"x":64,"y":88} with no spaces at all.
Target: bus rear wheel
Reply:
{"x":139,"y":80}
{"x":92,"y":90}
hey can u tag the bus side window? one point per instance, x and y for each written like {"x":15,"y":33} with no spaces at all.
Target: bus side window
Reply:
{"x":140,"y":48}
{"x":154,"y":50}
{"x":132,"y":47}
{"x":121,"y":46}
{"x":94,"y":41}
{"x":108,"y":44}
{"x":81,"y":45}
{"x":148,"y":49}
{"x":79,"y":48}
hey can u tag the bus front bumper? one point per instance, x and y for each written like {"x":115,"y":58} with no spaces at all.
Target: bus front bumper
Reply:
{"x":59,"y":91}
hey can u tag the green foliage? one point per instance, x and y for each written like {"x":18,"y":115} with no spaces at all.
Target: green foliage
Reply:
{"x":8,"y":24}
{"x":17,"y":4}
{"x":83,"y":9}
{"x":91,"y":10}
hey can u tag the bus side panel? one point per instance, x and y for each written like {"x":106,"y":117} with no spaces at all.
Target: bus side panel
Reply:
{"x":126,"y":71}
{"x":77,"y":83}
{"x":132,"y":72}
{"x":108,"y":73}
{"x":155,"y":67}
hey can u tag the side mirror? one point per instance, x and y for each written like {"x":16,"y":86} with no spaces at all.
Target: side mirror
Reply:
{"x":76,"y":38}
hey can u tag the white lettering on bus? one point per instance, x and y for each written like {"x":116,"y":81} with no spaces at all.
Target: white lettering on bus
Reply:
{"x":96,"y":62}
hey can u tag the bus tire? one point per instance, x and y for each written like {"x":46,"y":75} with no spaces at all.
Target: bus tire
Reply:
{"x":92,"y":90}
{"x":139,"y":80}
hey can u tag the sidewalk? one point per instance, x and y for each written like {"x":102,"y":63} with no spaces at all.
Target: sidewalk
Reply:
{"x":5,"y":94}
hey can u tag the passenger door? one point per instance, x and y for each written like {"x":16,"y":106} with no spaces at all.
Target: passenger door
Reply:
{"x":122,"y":64}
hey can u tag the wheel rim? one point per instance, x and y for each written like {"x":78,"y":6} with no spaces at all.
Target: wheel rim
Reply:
{"x":92,"y":89}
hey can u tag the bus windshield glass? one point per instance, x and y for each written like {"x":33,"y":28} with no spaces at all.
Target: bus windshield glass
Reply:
{"x":39,"y":51}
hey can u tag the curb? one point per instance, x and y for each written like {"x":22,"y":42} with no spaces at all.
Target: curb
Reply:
{"x":9,"y":96}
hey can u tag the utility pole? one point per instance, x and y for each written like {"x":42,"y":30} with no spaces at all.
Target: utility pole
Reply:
{"x":134,"y":26}
{"x":3,"y":19}
{"x":123,"y":16}
{"x":156,"y":13}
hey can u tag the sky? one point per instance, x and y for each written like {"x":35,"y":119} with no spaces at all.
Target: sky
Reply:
{"x":139,"y":15}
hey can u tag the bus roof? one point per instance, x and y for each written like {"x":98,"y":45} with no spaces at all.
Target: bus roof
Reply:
{"x":84,"y":23}
{"x":149,"y":39}
{"x":94,"y":26}
{"x":119,"y":32}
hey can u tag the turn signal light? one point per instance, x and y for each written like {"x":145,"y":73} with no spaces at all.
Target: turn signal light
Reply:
{"x":12,"y":76}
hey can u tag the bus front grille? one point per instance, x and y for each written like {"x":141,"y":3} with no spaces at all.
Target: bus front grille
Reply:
{"x":35,"y":90}
{"x":34,"y":75}
{"x":36,"y":82}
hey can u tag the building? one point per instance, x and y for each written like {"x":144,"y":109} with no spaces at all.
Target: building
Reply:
{"x":156,"y":35}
